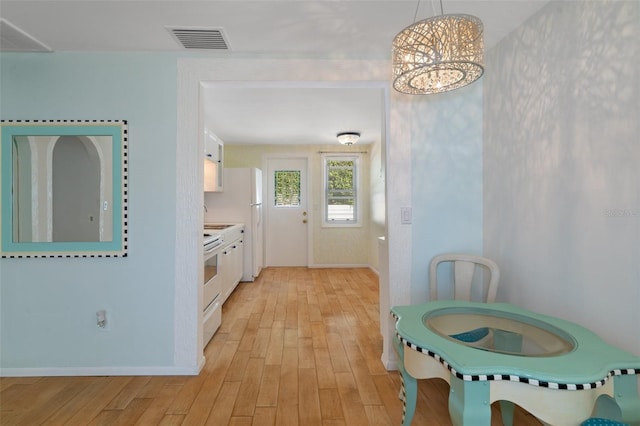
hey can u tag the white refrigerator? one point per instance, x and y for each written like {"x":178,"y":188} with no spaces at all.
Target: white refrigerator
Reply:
{"x":241,"y":202}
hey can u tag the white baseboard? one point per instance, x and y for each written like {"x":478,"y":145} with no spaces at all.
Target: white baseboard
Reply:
{"x":201,"y":363}
{"x":99,"y":371}
{"x":389,"y":361}
{"x":391,"y":366}
{"x":340,"y":265}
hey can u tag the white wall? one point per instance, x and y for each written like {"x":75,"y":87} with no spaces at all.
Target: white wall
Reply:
{"x":561,"y":166}
{"x":446,"y":149}
{"x":377,"y":219}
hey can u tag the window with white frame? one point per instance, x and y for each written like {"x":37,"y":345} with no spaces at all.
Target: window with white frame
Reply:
{"x":341,"y":193}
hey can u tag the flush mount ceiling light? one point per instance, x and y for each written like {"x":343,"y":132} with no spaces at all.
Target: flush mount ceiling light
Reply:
{"x":348,"y":138}
{"x":438,"y":54}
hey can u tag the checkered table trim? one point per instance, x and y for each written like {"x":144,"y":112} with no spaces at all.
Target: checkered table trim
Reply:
{"x":515,"y":378}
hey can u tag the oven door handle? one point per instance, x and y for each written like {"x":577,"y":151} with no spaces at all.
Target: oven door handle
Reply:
{"x":211,"y":249}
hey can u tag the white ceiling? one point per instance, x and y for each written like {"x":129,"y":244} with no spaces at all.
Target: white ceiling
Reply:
{"x":301,"y":28}
{"x":287,"y":114}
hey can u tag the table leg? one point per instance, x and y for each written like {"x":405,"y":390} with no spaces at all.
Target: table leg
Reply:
{"x":469,"y":403}
{"x":410,"y":395}
{"x":409,"y":391}
{"x":507,"y":409}
{"x":626,"y":396}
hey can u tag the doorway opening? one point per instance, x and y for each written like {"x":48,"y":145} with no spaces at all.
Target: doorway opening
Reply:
{"x":193,"y":74}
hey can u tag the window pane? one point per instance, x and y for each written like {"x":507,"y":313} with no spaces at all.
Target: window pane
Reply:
{"x":339,"y":212}
{"x":340,"y":175}
{"x":340,"y":190}
{"x":287,"y":188}
{"x":343,"y":193}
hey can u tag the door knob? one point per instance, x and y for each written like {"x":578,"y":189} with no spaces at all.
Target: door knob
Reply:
{"x":304,"y":213}
{"x":304,"y":221}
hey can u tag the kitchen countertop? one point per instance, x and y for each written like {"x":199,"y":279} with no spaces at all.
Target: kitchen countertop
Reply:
{"x":227,"y":226}
{"x":230,"y":230}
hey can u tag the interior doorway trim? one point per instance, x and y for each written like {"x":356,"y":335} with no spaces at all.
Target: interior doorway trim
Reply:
{"x":192,"y":73}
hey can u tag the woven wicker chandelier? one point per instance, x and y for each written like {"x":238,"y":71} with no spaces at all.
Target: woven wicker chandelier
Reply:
{"x":438,"y":54}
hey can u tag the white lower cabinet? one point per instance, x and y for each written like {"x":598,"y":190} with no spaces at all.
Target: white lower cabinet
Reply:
{"x":231,"y":266}
{"x":212,"y":318}
{"x":228,"y":264}
{"x":225,"y":268}
{"x":237,"y":258}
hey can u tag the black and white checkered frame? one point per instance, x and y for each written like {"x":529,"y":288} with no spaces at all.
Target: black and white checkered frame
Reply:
{"x":125,"y":189}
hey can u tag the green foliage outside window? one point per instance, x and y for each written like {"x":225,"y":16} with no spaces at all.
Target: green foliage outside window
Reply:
{"x":287,"y":188}
{"x":341,"y":190}
{"x":340,"y":182}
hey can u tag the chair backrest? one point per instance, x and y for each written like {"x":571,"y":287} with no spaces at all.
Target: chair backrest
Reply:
{"x":464,"y":270}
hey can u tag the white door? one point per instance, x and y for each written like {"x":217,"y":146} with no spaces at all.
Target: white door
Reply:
{"x":287,"y":214}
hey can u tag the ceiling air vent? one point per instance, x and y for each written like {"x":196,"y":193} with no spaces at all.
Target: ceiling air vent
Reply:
{"x":200,"y":38}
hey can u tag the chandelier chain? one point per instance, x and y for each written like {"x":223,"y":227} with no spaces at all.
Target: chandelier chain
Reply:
{"x":415,"y":15}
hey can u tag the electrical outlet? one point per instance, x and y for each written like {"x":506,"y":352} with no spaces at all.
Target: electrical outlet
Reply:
{"x":101,"y":319}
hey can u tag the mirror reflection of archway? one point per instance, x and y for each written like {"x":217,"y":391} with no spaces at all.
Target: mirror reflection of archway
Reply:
{"x":82,"y":192}
{"x":75,"y":184}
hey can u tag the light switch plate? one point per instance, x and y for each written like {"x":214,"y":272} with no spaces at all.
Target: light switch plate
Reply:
{"x":405,"y":215}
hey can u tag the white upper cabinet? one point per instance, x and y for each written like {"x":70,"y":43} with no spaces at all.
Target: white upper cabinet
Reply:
{"x":213,"y":162}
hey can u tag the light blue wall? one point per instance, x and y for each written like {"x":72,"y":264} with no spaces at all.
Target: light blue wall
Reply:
{"x":48,"y":305}
{"x":561,"y":165}
{"x":446,"y":154}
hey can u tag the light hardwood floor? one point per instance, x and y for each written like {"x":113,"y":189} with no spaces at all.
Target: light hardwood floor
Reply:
{"x":297,"y":347}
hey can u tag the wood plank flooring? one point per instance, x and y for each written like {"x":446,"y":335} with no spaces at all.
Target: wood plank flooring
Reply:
{"x":297,"y":347}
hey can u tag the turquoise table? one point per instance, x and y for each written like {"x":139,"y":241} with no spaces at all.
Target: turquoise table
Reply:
{"x":558,"y":371}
